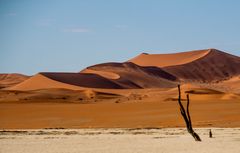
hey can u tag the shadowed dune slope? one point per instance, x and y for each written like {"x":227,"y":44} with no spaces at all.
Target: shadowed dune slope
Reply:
{"x":74,"y":81}
{"x":214,"y":66}
{"x":39,"y":81}
{"x":8,"y":80}
{"x":134,"y":76}
{"x":163,"y":60}
{"x":83,"y":80}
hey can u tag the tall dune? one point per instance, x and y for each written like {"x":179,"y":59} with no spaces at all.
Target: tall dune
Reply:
{"x":134,"y":76}
{"x":163,"y":60}
{"x":215,"y":66}
{"x":202,"y":65}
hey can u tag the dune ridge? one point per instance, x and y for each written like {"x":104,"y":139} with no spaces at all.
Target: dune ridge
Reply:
{"x":134,"y":76}
{"x":163,"y":60}
{"x":215,"y":66}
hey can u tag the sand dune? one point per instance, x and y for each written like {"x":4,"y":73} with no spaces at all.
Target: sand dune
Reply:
{"x":8,"y":80}
{"x":83,"y":80}
{"x":75,"y":81}
{"x":134,"y":76}
{"x":104,"y":76}
{"x":201,"y":65}
{"x":39,"y":81}
{"x":215,"y":66}
{"x":163,"y":60}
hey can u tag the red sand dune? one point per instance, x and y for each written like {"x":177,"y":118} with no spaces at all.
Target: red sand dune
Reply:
{"x":215,"y":66}
{"x":83,"y":80}
{"x":204,"y":65}
{"x":145,"y":71}
{"x":40,"y":81}
{"x":8,"y":80}
{"x":163,"y":60}
{"x":134,"y":76}
{"x":65,"y":80}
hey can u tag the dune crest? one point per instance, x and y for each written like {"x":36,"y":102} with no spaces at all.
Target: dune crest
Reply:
{"x":134,"y":76}
{"x":215,"y":66}
{"x":163,"y":60}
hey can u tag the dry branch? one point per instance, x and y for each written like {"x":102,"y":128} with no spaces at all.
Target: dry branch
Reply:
{"x":186,"y":116}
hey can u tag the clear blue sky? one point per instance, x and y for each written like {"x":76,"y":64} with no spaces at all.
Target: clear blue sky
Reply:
{"x":68,"y":35}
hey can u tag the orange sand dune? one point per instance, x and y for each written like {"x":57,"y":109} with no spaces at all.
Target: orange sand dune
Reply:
{"x":163,"y":60}
{"x":215,"y":66}
{"x":134,"y":76}
{"x":40,"y":81}
{"x":201,"y":65}
{"x":195,"y":67}
{"x":8,"y":80}
{"x":75,"y":81}
{"x":88,"y":80}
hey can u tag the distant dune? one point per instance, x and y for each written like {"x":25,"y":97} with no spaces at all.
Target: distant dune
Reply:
{"x":8,"y":80}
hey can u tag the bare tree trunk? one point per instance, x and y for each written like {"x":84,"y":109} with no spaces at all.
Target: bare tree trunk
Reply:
{"x":186,"y":116}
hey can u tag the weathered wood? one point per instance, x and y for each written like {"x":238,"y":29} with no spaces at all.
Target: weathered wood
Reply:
{"x":186,"y":116}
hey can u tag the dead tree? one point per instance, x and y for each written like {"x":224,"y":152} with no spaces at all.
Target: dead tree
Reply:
{"x":186,"y":116}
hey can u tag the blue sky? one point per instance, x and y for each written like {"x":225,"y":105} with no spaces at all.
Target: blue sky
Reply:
{"x":69,"y":35}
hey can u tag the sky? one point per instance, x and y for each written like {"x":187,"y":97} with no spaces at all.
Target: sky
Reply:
{"x":69,"y":35}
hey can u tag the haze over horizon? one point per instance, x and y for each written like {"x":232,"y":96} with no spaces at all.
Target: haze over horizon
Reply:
{"x":67,"y":36}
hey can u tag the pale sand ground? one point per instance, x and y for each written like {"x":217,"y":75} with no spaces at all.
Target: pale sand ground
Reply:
{"x":226,"y":140}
